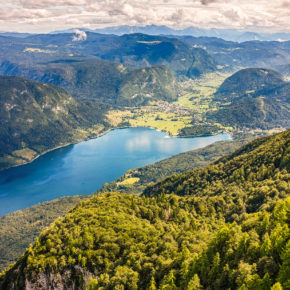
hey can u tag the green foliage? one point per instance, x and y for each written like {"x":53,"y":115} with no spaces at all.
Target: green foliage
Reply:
{"x":251,"y":179}
{"x":177,"y":164}
{"x":248,"y":81}
{"x":259,"y":98}
{"x":169,"y":241}
{"x":147,"y":84}
{"x":200,"y":130}
{"x":20,"y":228}
{"x":40,"y":117}
{"x":125,"y":239}
{"x":105,"y":81}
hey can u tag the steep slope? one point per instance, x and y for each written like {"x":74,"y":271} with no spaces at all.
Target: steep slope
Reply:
{"x":36,"y":117}
{"x":105,"y":81}
{"x":258,"y":98}
{"x":256,"y":176}
{"x":19,"y":229}
{"x":118,"y":241}
{"x":247,"y":81}
{"x":150,"y":83}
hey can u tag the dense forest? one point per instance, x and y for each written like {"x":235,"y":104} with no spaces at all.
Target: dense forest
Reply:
{"x":225,"y":226}
{"x":253,"y":98}
{"x":104,"y":81}
{"x":19,"y":229}
{"x":37,"y":117}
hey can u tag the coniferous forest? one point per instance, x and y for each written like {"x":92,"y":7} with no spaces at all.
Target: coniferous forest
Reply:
{"x":225,"y":226}
{"x":144,"y":145}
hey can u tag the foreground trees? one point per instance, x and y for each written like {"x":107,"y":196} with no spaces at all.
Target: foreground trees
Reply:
{"x":229,"y":229}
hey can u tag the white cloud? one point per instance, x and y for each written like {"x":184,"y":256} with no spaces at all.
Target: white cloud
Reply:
{"x":79,"y":35}
{"x":47,"y":15}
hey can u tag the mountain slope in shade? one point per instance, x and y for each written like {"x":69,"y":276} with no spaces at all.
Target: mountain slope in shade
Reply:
{"x":36,"y":117}
{"x":138,"y":50}
{"x":141,"y":49}
{"x":247,"y":81}
{"x":105,"y":81}
{"x":258,"y":98}
{"x":179,"y":237}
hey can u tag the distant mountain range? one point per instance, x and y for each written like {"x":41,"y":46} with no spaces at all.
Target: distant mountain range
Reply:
{"x":227,"y":34}
{"x":101,"y":66}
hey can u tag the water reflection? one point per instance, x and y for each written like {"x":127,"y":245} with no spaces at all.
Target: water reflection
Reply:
{"x":85,"y":167}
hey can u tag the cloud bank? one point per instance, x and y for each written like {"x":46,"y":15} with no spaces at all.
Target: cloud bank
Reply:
{"x":48,"y":15}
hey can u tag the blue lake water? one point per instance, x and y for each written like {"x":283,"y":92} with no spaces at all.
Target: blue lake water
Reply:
{"x":84,"y":167}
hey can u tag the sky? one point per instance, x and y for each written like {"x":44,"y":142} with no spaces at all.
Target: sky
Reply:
{"x":41,"y":16}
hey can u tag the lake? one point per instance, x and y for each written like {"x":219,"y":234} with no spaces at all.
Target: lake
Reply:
{"x":84,"y":167}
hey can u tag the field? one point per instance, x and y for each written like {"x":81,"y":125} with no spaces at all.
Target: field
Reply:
{"x":130,"y":181}
{"x":194,"y":102}
{"x":25,"y":153}
{"x":200,"y":92}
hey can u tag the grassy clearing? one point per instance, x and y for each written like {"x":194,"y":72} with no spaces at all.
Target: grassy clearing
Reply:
{"x":26,"y":153}
{"x":199,"y":95}
{"x":169,"y":122}
{"x":130,"y":181}
{"x":115,"y":117}
{"x":153,"y":117}
{"x":172,"y":117}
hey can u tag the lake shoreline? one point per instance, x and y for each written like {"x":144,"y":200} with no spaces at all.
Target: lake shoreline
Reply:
{"x":100,"y":135}
{"x":84,"y":167}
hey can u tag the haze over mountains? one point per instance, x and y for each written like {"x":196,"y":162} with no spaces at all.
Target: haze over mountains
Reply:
{"x":226,"y":34}
{"x":214,"y":218}
{"x":136,"y":69}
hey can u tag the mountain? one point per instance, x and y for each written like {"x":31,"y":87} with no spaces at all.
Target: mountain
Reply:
{"x":255,"y":162}
{"x":144,"y":50}
{"x":146,"y":84}
{"x":19,"y":229}
{"x":227,"y":34}
{"x":259,"y":98}
{"x":105,"y":81}
{"x":247,"y":81}
{"x":233,"y":55}
{"x":221,"y":227}
{"x":137,"y":50}
{"x":37,"y":117}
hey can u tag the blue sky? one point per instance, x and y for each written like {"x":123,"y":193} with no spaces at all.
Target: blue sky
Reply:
{"x":48,"y":15}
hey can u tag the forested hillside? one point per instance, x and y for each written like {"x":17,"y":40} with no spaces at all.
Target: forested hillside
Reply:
{"x":253,"y":98}
{"x":100,"y":80}
{"x":36,"y":117}
{"x":255,"y":176}
{"x":225,"y":226}
{"x":19,"y":229}
{"x":247,"y":81}
{"x":138,"y":50}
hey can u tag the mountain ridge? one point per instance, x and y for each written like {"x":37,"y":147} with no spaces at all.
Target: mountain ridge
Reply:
{"x":253,"y":98}
{"x":37,"y":117}
{"x":175,"y":241}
